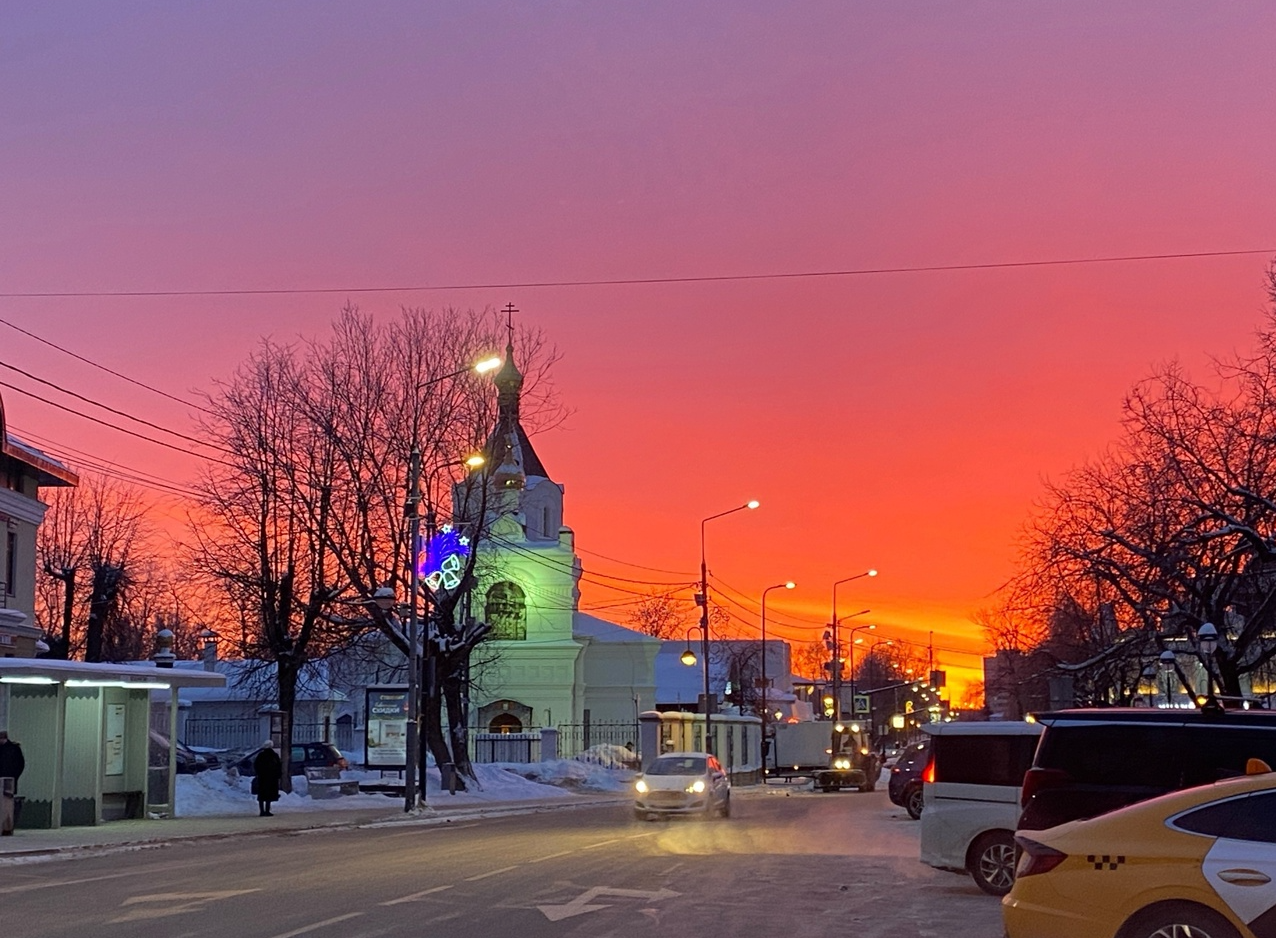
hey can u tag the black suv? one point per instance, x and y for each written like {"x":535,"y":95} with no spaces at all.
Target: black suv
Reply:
{"x":905,"y":786}
{"x":1090,"y":762}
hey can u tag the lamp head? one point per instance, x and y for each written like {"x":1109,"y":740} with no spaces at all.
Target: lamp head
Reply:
{"x":789,"y":585}
{"x":872,"y":573}
{"x":487,"y":364}
{"x":383,"y":596}
{"x":1207,"y":637}
{"x":752,"y":503}
{"x":473,"y":462}
{"x":689,"y":658}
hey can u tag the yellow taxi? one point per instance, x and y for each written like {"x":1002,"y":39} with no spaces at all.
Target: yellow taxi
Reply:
{"x":1198,"y":863}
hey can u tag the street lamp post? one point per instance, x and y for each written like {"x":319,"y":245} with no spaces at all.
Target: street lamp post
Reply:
{"x":1207,"y":641}
{"x":851,"y":643}
{"x":411,"y":509}
{"x":766,"y":709}
{"x":703,"y":600}
{"x":837,"y":656}
{"x":1167,"y":668}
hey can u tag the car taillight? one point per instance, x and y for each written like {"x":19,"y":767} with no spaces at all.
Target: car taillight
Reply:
{"x":1037,"y":779}
{"x":1037,"y":858}
{"x":928,"y":773}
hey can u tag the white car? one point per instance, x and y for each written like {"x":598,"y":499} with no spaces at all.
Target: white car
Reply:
{"x":971,"y":789}
{"x":682,"y":783}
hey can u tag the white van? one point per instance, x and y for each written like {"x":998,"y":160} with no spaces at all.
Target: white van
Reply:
{"x":971,"y":794}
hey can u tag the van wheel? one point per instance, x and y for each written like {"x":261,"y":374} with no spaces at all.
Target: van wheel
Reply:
{"x":1177,"y":920}
{"x":992,"y":862}
{"x":914,"y":802}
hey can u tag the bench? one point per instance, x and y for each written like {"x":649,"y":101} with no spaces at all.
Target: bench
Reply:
{"x":326,"y":782}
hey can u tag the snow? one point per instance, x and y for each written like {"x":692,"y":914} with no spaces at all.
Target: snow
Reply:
{"x":221,"y":792}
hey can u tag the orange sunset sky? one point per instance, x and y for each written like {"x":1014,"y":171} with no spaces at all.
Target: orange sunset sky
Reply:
{"x":160,"y":162}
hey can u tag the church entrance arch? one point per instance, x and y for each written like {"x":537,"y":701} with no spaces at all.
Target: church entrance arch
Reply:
{"x":505,"y":716}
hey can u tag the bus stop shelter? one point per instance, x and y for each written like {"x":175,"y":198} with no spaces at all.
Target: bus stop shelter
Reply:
{"x":96,"y":748}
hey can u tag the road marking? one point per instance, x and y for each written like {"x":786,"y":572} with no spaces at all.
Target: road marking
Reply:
{"x":603,"y":843}
{"x":417,"y":895}
{"x":553,"y":856}
{"x":66,"y":882}
{"x":324,"y":924}
{"x":504,"y":869}
{"x":580,"y":905}
{"x":175,"y":903}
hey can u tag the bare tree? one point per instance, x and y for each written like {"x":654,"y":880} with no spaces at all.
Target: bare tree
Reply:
{"x":662,"y":615}
{"x":95,"y":548}
{"x":1172,"y":528}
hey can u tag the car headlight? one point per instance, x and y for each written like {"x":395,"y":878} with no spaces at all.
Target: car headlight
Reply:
{"x":697,"y":786}
{"x":641,"y":787}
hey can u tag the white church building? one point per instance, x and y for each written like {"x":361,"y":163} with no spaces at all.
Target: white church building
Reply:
{"x":547,"y":663}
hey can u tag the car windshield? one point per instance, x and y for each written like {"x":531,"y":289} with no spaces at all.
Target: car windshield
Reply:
{"x":677,"y":765}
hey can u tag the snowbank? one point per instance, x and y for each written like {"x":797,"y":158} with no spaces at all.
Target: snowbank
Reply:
{"x":219,"y":792}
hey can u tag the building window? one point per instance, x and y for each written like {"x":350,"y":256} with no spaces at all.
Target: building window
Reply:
{"x":506,"y":612}
{"x":505,"y":723}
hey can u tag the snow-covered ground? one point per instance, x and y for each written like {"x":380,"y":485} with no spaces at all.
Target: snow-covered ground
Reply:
{"x":218,"y":792}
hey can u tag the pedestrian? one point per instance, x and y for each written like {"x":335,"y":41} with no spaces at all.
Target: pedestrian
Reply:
{"x":11,"y":765}
{"x":11,"y":761}
{"x":267,"y":769}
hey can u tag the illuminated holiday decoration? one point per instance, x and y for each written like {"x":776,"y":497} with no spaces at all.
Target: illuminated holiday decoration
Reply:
{"x":442,"y":563}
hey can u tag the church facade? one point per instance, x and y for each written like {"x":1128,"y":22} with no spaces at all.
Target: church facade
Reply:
{"x":546,"y":663}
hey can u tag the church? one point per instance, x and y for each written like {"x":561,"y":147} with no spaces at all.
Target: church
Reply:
{"x":546,"y":663}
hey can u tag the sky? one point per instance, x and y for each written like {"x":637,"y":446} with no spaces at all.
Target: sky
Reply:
{"x":902,"y":421}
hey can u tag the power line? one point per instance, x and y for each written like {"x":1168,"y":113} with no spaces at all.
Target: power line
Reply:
{"x":140,"y":436}
{"x":112,"y":410}
{"x":109,"y":371}
{"x":640,"y":281}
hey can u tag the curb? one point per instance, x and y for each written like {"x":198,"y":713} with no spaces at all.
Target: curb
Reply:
{"x":429,"y":817}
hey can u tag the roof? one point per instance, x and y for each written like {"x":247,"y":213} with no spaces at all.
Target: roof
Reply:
{"x":53,"y":671}
{"x":587,"y":626}
{"x":48,"y":471}
{"x":253,"y":681}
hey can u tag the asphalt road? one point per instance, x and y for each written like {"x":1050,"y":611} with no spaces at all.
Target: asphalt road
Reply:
{"x":786,"y":863}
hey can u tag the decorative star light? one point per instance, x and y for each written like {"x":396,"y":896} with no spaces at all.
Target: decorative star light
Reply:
{"x":442,"y":561}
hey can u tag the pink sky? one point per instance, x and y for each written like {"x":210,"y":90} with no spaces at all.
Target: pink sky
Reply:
{"x":900,"y":421}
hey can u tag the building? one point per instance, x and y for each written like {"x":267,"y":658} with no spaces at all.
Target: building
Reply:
{"x":24,"y":470}
{"x":547,"y":664}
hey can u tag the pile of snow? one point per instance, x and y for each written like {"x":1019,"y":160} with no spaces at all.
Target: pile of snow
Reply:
{"x":575,"y":774}
{"x":221,"y":792}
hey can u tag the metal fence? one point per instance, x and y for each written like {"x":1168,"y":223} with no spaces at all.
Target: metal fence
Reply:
{"x":506,"y":747}
{"x":246,"y":733}
{"x":223,"y":732}
{"x":575,"y":738}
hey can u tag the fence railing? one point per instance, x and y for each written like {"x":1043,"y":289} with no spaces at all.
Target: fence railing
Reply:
{"x":246,"y":733}
{"x":223,"y":732}
{"x":505,"y":747}
{"x":575,"y":738}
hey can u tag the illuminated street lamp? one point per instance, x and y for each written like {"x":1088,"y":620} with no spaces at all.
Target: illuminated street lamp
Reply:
{"x":411,"y":510}
{"x":1167,"y":668}
{"x":703,"y":600}
{"x":837,"y":654}
{"x":853,"y":640}
{"x":766,"y":709}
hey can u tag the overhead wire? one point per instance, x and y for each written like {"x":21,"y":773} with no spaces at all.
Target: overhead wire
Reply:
{"x":118,"y":413}
{"x":92,"y":419}
{"x":98,"y":365}
{"x":637,"y":281}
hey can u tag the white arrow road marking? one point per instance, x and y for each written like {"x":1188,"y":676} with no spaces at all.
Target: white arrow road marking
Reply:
{"x":580,"y":905}
{"x":176,"y":903}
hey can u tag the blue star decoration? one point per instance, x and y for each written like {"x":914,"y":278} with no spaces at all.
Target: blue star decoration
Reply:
{"x":442,"y":563}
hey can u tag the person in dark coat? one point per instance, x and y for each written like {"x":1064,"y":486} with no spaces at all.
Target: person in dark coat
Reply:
{"x":268,"y":769}
{"x":11,"y":761}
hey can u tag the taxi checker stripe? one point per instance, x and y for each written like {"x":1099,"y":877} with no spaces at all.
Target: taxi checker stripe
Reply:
{"x":1107,"y":860}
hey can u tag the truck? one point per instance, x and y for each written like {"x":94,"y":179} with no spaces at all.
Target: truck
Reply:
{"x":833,"y":755}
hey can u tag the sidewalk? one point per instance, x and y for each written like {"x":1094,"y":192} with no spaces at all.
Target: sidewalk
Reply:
{"x":67,"y":842}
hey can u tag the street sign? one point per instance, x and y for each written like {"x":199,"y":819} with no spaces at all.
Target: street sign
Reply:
{"x":862,"y":704}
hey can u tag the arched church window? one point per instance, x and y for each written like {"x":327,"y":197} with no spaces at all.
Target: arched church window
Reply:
{"x":506,"y":612}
